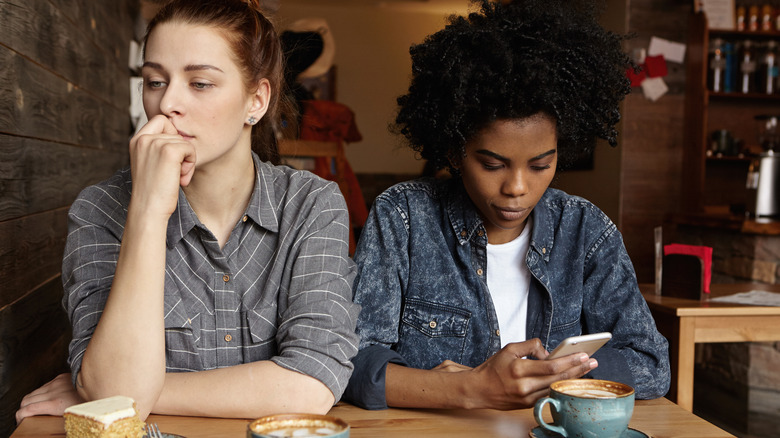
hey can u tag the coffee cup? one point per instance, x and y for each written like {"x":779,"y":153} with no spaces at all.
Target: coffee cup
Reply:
{"x":298,"y":426}
{"x":587,"y":408}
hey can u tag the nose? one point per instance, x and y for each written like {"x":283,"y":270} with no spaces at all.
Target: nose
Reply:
{"x":515,"y":184}
{"x":172,"y":101}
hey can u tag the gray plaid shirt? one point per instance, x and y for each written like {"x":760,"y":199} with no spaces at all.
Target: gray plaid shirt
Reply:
{"x":279,"y":290}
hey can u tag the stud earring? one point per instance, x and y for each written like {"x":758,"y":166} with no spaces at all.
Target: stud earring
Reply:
{"x":252,"y":120}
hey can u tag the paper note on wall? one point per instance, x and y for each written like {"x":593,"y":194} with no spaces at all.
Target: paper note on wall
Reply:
{"x":720,"y":13}
{"x":671,"y":50}
{"x":654,"y":88}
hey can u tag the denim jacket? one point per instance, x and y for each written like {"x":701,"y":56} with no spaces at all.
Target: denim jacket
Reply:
{"x":422,"y":285}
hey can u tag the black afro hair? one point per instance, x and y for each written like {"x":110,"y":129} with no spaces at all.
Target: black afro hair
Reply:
{"x":513,"y":60}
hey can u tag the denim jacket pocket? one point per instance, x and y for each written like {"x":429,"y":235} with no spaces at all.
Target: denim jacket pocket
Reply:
{"x":432,"y":333}
{"x":561,"y":330}
{"x":435,"y":320}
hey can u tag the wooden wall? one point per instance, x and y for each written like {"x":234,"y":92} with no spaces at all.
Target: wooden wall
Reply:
{"x":652,"y":136}
{"x":64,"y":124}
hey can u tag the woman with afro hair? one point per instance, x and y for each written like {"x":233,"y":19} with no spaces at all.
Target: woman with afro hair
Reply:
{"x":466,"y":283}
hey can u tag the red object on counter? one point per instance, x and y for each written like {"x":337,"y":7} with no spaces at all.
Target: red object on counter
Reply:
{"x":703,"y":252}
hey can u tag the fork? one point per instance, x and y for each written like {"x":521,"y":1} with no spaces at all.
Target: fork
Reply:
{"x":152,"y":431}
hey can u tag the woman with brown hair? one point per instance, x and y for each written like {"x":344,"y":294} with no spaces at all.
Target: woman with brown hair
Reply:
{"x":203,"y":280}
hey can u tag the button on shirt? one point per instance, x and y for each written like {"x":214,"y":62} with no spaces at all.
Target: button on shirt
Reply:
{"x":279,"y":289}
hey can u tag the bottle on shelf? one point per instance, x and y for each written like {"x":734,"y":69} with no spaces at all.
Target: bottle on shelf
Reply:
{"x":730,"y":74}
{"x":766,"y":76}
{"x":747,"y":67}
{"x":754,"y":20}
{"x":717,"y":66}
{"x":741,"y":18}
{"x":767,"y":17}
{"x":777,"y":21}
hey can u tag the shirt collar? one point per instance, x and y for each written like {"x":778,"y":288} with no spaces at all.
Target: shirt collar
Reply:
{"x":261,"y":208}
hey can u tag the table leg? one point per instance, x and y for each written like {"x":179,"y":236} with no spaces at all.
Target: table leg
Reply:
{"x":685,"y":362}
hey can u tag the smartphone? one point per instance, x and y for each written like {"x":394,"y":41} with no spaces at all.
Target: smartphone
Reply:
{"x":587,"y":344}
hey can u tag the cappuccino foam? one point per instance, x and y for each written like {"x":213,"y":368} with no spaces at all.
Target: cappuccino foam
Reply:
{"x":590,"y":393}
{"x":303,"y":432}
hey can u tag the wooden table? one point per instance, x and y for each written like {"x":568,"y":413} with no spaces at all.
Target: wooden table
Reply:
{"x":658,"y":418}
{"x":685,"y":322}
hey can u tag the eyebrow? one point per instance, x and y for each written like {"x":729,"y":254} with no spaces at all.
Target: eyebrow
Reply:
{"x":189,"y":67}
{"x":506,"y":160}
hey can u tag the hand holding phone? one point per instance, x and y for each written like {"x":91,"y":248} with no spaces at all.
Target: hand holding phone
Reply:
{"x":587,"y":344}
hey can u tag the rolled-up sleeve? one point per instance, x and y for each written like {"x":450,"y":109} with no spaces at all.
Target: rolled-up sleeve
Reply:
{"x":95,"y":226}
{"x":316,"y":335}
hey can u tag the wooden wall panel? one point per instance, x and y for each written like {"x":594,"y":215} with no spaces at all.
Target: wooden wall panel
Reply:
{"x":652,"y":136}
{"x":651,"y":172}
{"x":64,"y":124}
{"x":31,"y":257}
{"x":63,"y":48}
{"x":100,"y":21}
{"x":55,"y":173}
{"x":34,"y":337}
{"x":38,"y":103}
{"x":666,"y":19}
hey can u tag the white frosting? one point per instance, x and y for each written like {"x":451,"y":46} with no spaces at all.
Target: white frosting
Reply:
{"x":105,"y":410}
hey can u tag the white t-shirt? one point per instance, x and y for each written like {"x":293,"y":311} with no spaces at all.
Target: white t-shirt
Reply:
{"x":508,"y":280}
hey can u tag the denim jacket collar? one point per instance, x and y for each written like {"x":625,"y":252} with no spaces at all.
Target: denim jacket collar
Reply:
{"x":465,"y":219}
{"x":543,"y":235}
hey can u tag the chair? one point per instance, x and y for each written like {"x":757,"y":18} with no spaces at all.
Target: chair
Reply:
{"x":331,"y":150}
{"x":312,"y":149}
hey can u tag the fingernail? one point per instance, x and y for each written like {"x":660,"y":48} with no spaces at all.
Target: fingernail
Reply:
{"x":593,"y":364}
{"x":583,"y":357}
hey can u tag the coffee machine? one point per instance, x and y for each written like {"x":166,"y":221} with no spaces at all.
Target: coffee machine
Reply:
{"x":764,"y":174}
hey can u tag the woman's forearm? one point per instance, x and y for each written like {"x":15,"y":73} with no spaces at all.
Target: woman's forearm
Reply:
{"x":507,"y":380}
{"x":410,"y":387}
{"x":126,"y":354}
{"x":243,"y":391}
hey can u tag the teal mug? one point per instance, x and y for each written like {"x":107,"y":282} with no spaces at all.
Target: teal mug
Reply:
{"x":298,"y":425}
{"x":587,"y":408}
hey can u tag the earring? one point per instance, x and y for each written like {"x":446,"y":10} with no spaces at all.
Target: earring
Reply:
{"x":252,"y":120}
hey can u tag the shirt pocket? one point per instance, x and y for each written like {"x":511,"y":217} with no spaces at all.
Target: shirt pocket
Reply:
{"x":262,"y":333}
{"x":432,"y":333}
{"x":182,"y":338}
{"x":262,"y":324}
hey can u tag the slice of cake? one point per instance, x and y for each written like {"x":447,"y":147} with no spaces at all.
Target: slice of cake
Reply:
{"x":111,"y":417}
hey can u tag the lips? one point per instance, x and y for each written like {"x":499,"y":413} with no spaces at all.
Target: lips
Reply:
{"x":511,"y":214}
{"x":185,"y":135}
